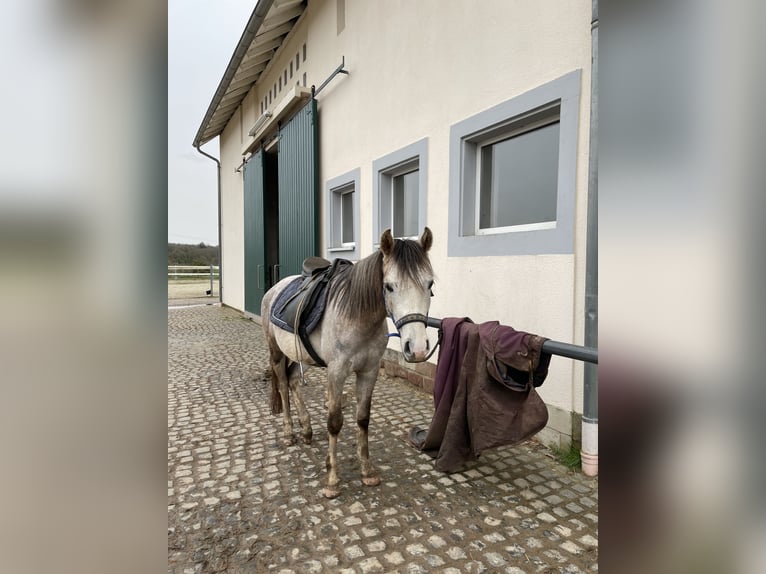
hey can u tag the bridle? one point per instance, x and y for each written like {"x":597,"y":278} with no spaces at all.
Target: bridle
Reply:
{"x":409,"y":318}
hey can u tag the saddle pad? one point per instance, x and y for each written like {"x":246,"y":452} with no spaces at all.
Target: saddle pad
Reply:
{"x":311,"y":320}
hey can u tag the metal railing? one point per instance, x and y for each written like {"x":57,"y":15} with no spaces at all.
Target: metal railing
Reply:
{"x":578,"y":352}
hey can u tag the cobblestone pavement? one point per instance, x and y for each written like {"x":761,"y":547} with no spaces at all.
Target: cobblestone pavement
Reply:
{"x":238,"y":501}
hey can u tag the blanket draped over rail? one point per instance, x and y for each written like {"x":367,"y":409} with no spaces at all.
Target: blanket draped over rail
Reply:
{"x":484,"y":391}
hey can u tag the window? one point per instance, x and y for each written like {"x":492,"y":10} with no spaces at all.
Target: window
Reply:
{"x":517,"y":178}
{"x":404,"y":204}
{"x":512,"y":174}
{"x":343,"y":217}
{"x":342,"y":229}
{"x":400,"y":191}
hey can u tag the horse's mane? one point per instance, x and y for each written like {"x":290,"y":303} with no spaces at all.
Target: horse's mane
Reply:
{"x":357,"y":290}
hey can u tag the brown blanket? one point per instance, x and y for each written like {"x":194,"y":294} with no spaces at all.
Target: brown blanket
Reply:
{"x":484,"y":393}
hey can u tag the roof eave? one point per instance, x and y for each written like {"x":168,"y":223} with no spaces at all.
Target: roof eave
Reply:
{"x":251,"y":29}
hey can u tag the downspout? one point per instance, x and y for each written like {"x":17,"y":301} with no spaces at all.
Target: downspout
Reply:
{"x":589,"y":450}
{"x":220,"y":246}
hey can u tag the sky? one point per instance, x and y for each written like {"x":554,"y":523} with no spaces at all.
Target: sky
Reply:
{"x":202,"y":36}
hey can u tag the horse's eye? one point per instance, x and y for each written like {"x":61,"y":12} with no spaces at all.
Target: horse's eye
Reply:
{"x":389,"y":288}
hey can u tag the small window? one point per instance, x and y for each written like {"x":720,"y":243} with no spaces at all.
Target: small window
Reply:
{"x":291,"y":69}
{"x":343,"y":216}
{"x":346,"y":220}
{"x":404,"y":209}
{"x":297,"y":62}
{"x":400,"y":192}
{"x":304,"y":52}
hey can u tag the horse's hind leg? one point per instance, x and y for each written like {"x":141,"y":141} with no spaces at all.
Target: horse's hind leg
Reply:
{"x":280,"y":385}
{"x":294,"y":377}
{"x":365,"y":383}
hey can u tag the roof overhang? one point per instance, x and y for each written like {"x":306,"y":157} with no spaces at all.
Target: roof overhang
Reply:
{"x":268,"y":27}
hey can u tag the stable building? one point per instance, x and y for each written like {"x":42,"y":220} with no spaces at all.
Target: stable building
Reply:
{"x":339,"y":119}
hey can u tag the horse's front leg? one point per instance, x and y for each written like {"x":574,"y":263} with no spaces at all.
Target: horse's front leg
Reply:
{"x":335,"y":380}
{"x":365,"y":383}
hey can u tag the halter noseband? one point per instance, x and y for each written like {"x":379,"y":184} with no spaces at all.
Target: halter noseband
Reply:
{"x":410,"y":318}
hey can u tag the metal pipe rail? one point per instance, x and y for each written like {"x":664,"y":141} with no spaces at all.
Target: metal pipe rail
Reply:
{"x":577,"y":352}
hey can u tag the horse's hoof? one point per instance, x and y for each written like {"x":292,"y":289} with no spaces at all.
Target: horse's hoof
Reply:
{"x":288,"y":440}
{"x":331,"y":491}
{"x":371,"y":480}
{"x":307,"y":438}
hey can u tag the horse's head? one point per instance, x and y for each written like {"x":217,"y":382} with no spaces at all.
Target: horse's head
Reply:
{"x":407,"y":282}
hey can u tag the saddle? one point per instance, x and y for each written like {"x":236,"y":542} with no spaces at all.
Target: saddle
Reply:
{"x":302,"y":303}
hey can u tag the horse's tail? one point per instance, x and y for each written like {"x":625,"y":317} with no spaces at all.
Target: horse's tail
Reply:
{"x":276,"y":398}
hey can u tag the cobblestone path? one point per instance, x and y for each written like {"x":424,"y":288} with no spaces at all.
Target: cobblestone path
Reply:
{"x":238,"y":501}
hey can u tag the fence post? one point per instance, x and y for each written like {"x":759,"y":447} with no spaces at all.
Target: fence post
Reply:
{"x":211,"y":280}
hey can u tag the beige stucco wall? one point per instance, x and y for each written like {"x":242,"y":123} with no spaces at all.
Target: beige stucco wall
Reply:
{"x":416,"y":68}
{"x":232,"y":220}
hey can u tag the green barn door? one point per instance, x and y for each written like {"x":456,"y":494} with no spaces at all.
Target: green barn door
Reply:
{"x":255,"y":248}
{"x":298,"y":190}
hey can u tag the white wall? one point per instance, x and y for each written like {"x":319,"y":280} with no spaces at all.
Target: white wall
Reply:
{"x":416,"y":68}
{"x":232,"y":217}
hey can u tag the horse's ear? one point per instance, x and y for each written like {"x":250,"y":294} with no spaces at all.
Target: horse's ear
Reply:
{"x":387,"y":243}
{"x":427,"y":239}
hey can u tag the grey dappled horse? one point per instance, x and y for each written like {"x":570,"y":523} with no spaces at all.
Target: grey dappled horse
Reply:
{"x":395,"y":281}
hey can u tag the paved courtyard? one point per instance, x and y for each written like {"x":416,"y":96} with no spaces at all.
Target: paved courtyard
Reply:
{"x":238,"y":501}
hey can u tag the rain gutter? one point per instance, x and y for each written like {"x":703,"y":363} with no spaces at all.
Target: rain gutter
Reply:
{"x":589,"y":449}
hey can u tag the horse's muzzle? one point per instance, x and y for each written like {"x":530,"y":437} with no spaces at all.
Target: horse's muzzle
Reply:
{"x":411,"y":357}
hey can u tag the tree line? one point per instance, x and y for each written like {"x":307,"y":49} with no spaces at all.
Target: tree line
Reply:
{"x":200,"y":254}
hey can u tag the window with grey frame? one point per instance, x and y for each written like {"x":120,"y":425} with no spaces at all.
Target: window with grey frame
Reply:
{"x":513,"y":174}
{"x":399,"y":191}
{"x":342,"y":208}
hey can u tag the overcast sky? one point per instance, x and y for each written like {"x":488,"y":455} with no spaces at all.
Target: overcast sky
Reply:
{"x":202,"y":35}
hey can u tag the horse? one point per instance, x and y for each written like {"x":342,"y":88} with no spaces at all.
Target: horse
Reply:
{"x":395,"y":281}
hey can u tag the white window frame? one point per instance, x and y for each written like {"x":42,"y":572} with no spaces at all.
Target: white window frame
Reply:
{"x":511,"y":133}
{"x":335,"y":189}
{"x":413,"y":157}
{"x":557,"y":99}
